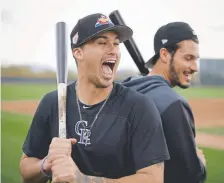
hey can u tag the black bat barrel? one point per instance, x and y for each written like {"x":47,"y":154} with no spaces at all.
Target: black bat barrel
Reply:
{"x":130,"y":44}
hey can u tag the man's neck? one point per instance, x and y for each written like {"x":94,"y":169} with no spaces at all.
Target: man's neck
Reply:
{"x":159,"y":72}
{"x":89,"y":94}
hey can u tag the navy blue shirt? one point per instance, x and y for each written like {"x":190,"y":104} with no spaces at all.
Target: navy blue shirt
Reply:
{"x":126,"y":137}
{"x":184,"y":165}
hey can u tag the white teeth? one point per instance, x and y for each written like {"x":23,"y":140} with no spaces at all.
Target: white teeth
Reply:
{"x":111,"y":61}
{"x":188,"y":75}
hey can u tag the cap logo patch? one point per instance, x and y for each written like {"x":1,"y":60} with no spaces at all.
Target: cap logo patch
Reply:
{"x":164,"y":41}
{"x":75,"y":38}
{"x":102,"y":21}
{"x":193,"y":33}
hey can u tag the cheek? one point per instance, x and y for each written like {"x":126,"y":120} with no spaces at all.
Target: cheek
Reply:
{"x":180,"y":68}
{"x":180,"y":65}
{"x":118,"y":57}
{"x":93,"y":59}
{"x":119,"y":53}
{"x":93,"y":55}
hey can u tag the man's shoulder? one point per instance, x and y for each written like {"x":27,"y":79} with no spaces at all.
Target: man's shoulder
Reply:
{"x":131,"y":93}
{"x":52,"y":96}
{"x":132,"y":97}
{"x":169,"y":94}
{"x":164,"y":96}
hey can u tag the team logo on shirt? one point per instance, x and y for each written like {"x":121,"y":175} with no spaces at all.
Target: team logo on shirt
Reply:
{"x":82,"y":132}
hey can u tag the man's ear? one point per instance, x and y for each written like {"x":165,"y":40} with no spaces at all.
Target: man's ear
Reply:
{"x":164,"y":55}
{"x":77,"y":53}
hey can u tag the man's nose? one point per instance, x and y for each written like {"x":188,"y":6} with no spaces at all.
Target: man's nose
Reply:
{"x":112,"y":49}
{"x":194,"y":66}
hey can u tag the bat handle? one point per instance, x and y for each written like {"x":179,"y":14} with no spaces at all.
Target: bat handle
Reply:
{"x":62,"y":90}
{"x":62,"y":95}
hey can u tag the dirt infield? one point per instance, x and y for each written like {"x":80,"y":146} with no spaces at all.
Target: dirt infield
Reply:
{"x":212,"y":141}
{"x":207,"y":112}
{"x":23,"y":107}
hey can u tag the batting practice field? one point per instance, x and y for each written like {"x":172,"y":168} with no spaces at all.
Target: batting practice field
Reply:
{"x":19,"y":102}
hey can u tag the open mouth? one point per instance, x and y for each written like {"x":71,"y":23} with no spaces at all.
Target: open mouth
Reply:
{"x":188,"y":75}
{"x":108,"y":67}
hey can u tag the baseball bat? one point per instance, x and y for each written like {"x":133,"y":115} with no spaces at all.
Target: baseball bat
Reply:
{"x":130,"y":44}
{"x":62,"y":74}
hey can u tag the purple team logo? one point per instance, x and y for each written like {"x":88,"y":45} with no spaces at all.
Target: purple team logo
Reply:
{"x":83,"y":133}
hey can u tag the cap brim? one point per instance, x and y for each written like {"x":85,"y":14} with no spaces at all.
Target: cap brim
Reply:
{"x":124,"y":33}
{"x":149,"y":63}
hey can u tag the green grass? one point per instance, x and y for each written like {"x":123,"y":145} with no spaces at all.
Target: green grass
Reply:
{"x":36,"y":91}
{"x":14,"y":129}
{"x":214,"y":159}
{"x":25,"y":91}
{"x":212,"y":130}
{"x":202,"y":92}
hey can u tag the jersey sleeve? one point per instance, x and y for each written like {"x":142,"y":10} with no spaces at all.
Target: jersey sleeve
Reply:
{"x":148,"y":143}
{"x":38,"y":137}
{"x":178,"y":127}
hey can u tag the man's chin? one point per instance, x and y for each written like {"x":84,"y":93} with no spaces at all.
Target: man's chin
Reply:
{"x":103,"y":83}
{"x":184,"y":85}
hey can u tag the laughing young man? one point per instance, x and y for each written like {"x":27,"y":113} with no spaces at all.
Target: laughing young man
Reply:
{"x":114,"y":133}
{"x":174,"y":63}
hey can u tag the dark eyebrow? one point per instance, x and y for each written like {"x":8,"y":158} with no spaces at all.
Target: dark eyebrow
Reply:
{"x":104,"y":37}
{"x":194,"y":56}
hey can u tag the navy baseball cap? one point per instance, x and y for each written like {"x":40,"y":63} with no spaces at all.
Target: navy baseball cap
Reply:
{"x":169,"y":35}
{"x":92,"y":25}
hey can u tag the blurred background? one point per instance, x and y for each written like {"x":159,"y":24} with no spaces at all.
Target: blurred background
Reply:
{"x":28,"y":64}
